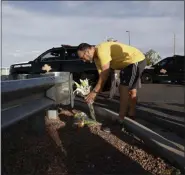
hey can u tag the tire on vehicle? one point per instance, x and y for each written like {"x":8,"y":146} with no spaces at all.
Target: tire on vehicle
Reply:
{"x":146,"y":78}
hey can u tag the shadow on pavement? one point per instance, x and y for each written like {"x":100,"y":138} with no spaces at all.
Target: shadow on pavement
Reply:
{"x":114,"y":106}
{"x":163,"y":109}
{"x":176,"y":104}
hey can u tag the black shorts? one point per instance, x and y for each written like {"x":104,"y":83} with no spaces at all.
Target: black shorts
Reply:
{"x":131,"y":75}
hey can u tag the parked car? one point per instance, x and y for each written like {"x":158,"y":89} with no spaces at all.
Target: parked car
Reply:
{"x":60,"y":59}
{"x":168,"y":69}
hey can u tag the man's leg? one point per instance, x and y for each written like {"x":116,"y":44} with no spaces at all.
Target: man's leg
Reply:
{"x":126,"y":77}
{"x":133,"y":90}
{"x":132,"y":102}
{"x":124,"y":101}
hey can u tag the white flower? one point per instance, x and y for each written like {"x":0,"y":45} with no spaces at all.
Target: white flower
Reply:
{"x":82,"y":89}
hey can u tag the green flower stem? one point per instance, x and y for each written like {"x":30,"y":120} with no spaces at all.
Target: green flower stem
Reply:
{"x":83,"y":89}
{"x":87,"y":122}
{"x":91,"y":109}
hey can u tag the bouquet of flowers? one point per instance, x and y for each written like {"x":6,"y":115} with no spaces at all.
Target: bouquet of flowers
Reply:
{"x":83,"y":90}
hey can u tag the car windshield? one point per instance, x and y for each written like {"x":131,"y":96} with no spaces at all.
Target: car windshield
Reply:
{"x":163,"y":62}
{"x":55,"y":53}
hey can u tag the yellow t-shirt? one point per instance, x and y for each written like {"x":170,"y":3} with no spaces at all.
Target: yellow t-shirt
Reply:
{"x":119,"y":55}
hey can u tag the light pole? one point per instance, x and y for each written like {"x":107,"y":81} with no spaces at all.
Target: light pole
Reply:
{"x":174,"y":43}
{"x":128,"y":36}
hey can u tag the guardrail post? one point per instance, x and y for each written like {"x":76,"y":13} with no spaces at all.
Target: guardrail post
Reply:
{"x":52,"y":114}
{"x":62,"y":93}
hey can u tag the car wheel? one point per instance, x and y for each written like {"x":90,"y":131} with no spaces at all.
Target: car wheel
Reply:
{"x":146,"y":78}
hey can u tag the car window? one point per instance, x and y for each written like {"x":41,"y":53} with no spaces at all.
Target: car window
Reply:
{"x":171,"y":62}
{"x":53,"y":55}
{"x":165,"y":62}
{"x":71,"y":54}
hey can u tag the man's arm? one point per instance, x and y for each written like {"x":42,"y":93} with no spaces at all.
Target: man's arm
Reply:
{"x":103,"y":66}
{"x":103,"y":75}
{"x":104,"y":57}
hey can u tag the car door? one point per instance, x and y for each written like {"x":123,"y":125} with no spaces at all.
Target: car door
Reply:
{"x":160,"y":70}
{"x":179,"y":69}
{"x":49,"y":61}
{"x":171,"y":70}
{"x":73,"y":63}
{"x":174,"y":69}
{"x":79,"y":68}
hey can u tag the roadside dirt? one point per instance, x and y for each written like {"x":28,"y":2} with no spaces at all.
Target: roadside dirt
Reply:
{"x":65,"y":150}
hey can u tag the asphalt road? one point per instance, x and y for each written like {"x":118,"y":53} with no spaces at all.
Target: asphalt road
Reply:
{"x":162,"y":93}
{"x":165,"y":100}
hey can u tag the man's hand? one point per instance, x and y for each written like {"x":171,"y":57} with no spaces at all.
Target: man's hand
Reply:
{"x":90,"y":97}
{"x":102,"y":79}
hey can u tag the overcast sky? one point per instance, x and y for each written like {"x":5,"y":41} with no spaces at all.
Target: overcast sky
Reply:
{"x":30,"y":28}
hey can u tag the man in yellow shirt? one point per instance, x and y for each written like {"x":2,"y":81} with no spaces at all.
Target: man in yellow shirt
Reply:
{"x":115,"y":55}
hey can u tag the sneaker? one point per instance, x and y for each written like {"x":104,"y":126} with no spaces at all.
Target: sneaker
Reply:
{"x":118,"y":121}
{"x":106,"y":129}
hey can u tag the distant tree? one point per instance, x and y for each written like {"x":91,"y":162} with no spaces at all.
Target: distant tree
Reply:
{"x":152,"y":57}
{"x":111,"y":39}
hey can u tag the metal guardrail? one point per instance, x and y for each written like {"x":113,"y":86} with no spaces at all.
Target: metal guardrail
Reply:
{"x":30,"y":94}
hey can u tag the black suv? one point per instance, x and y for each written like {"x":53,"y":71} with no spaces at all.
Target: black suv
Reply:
{"x":168,"y":69}
{"x":60,"y":59}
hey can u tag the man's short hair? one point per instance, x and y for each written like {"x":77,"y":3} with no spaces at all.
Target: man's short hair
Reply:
{"x":83,"y":46}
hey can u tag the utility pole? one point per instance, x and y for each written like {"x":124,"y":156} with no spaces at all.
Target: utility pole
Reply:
{"x":174,"y":44}
{"x":128,"y":36}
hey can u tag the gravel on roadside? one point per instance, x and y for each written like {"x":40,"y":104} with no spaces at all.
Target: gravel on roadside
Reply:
{"x":66,"y":150}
